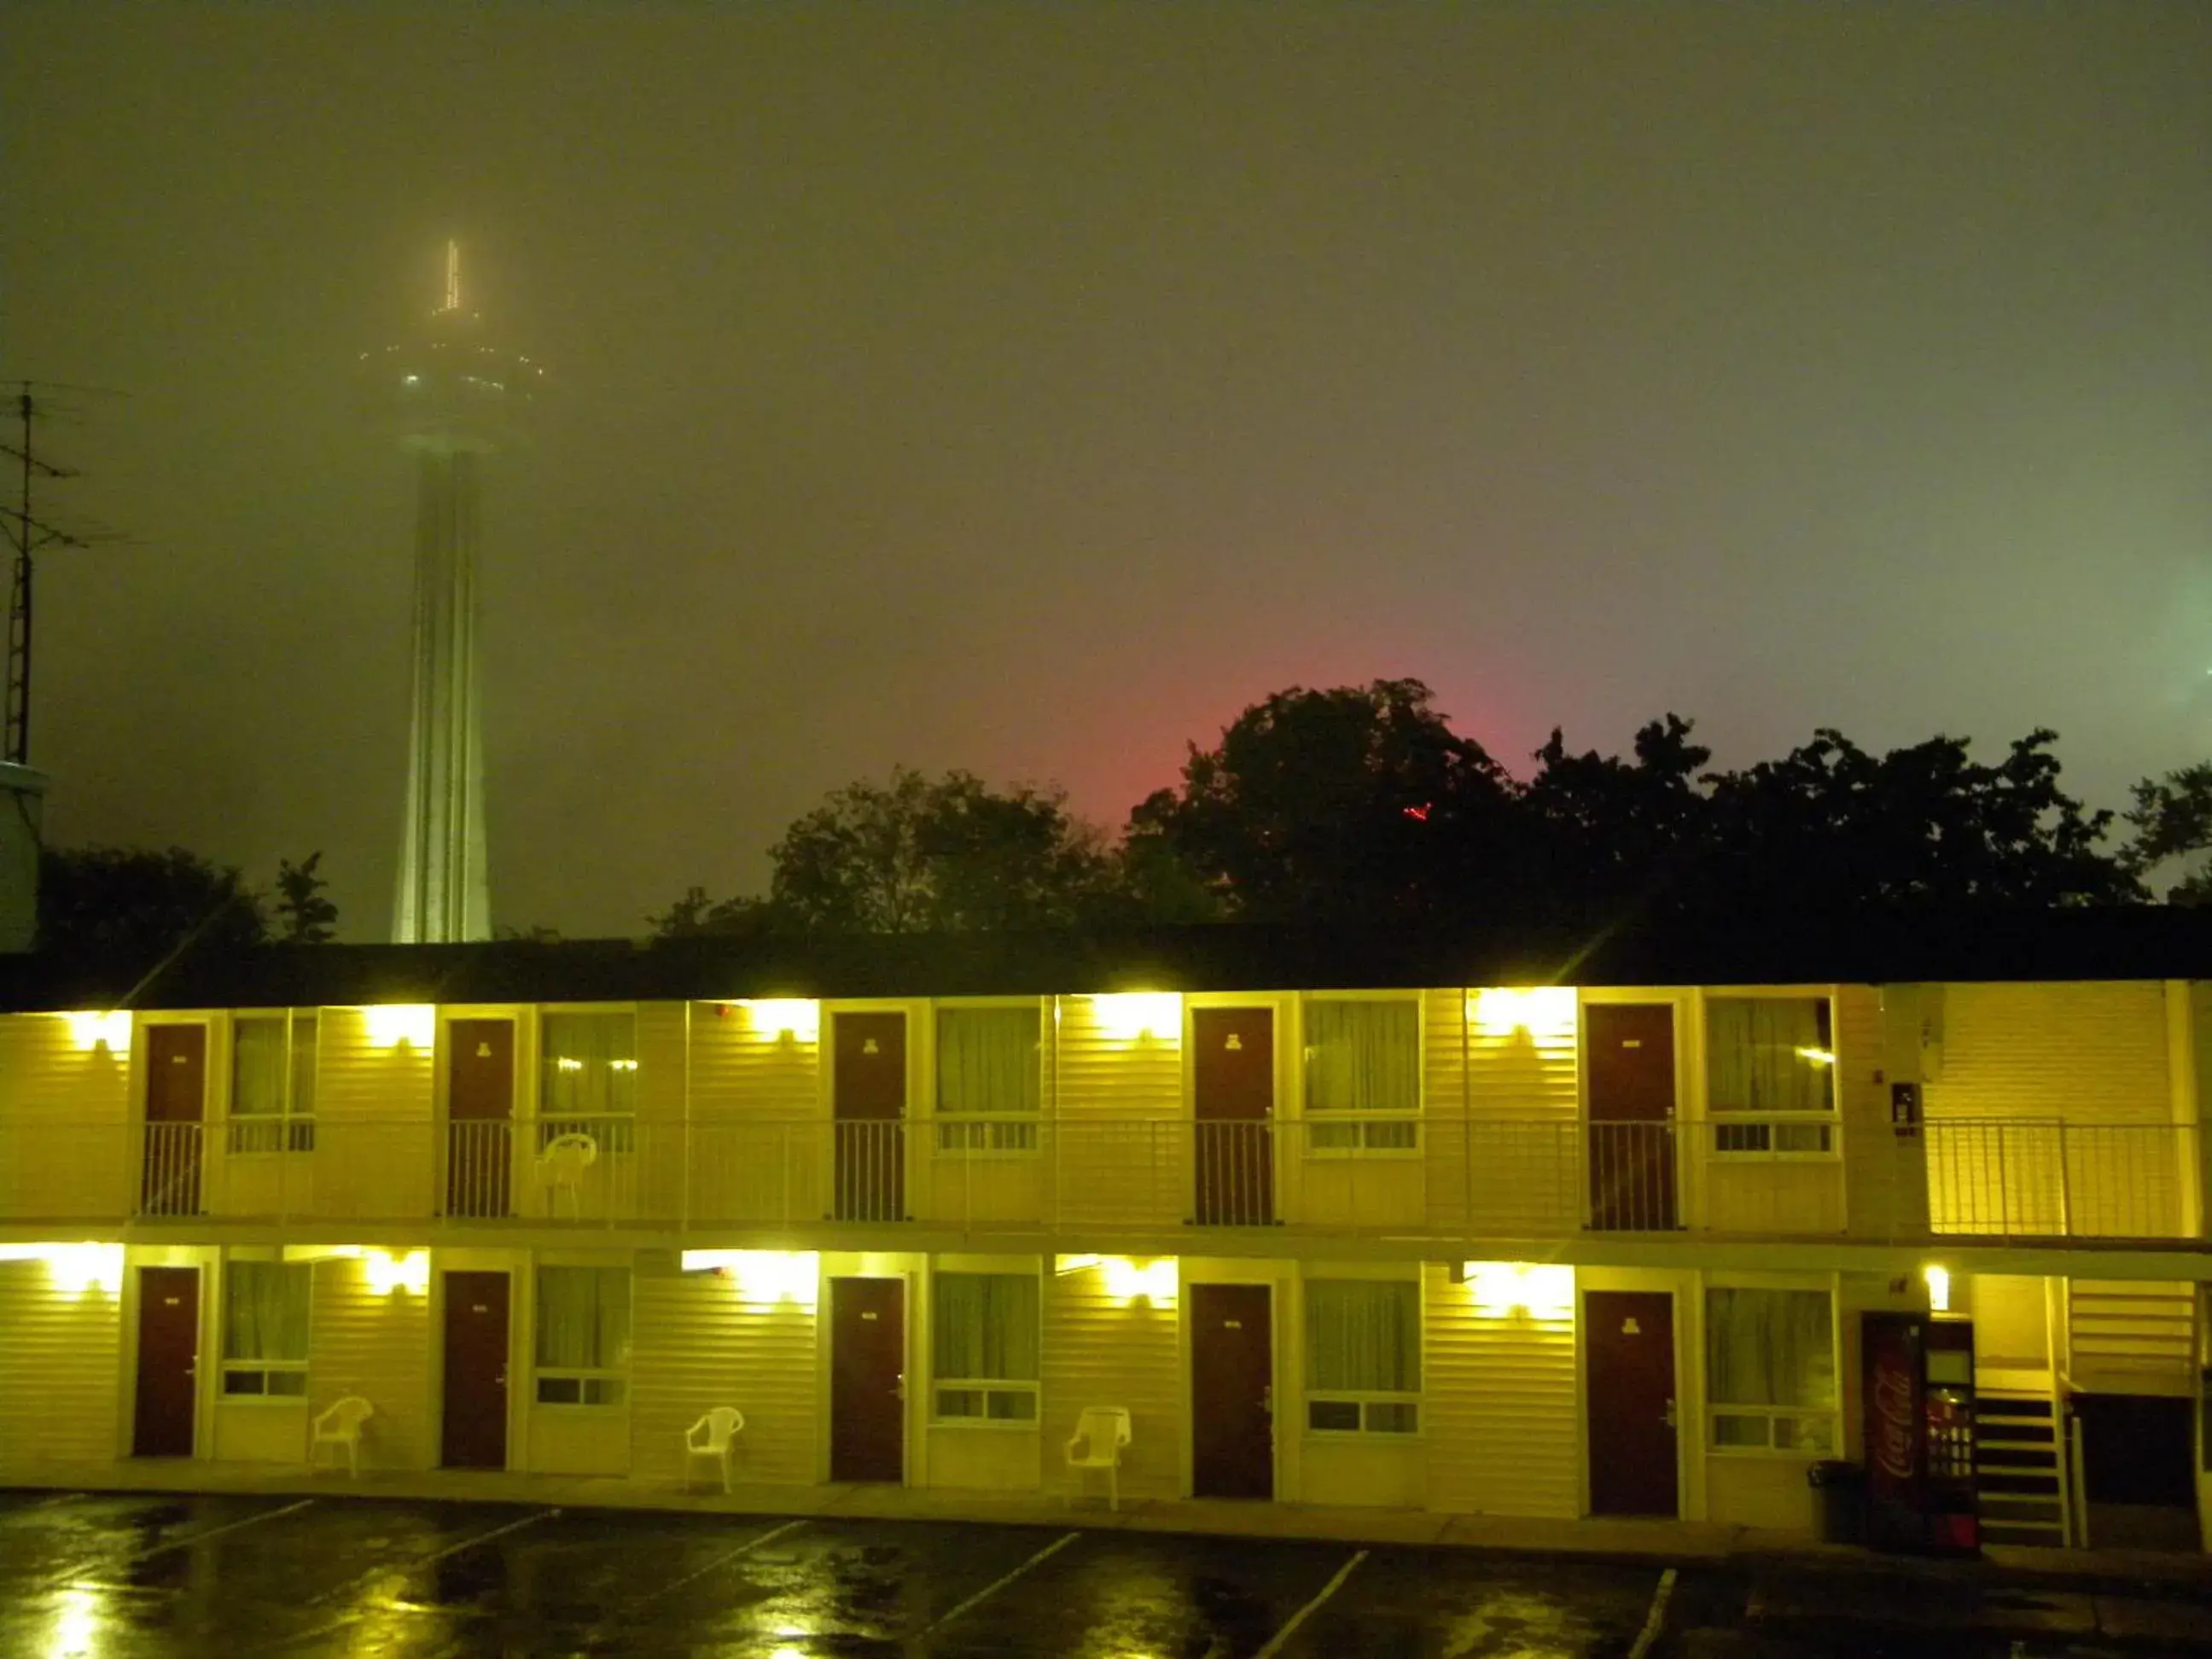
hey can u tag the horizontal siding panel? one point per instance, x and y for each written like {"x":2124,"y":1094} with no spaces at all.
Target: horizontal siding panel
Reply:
{"x":698,"y":1342}
{"x":1503,"y":1429}
{"x":377,"y":1347}
{"x":64,"y":1116}
{"x":1100,"y":1351}
{"x":58,"y":1386}
{"x":1124,"y":1153}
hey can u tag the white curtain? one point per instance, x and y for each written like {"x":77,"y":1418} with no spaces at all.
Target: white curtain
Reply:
{"x":1769,"y":1348}
{"x":985,"y":1327}
{"x":1755,"y":1058}
{"x":265,"y":1309}
{"x":1363,"y":1057}
{"x":987,"y":1061}
{"x":1363,"y":1335}
{"x":583,"y":1318}
{"x":589,"y":1066}
{"x":257,"y":1067}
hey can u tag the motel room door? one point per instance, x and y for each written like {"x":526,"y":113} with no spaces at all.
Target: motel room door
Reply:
{"x":176,"y":1104}
{"x":1232,"y":1395}
{"x":168,"y":1360}
{"x":868,"y":1379}
{"x":480,"y":1117}
{"x":1628,"y":1357}
{"x":1630,"y":1052}
{"x":1233,"y":1104}
{"x":474,"y":1429}
{"x":868,"y":1097}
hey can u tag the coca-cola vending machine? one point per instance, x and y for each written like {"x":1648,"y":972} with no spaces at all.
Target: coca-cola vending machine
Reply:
{"x":1918,"y":1374}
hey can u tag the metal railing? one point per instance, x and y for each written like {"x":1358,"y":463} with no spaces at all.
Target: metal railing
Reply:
{"x":1498,"y":1178}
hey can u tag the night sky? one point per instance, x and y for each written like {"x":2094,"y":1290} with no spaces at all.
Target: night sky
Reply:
{"x":1029,"y":390}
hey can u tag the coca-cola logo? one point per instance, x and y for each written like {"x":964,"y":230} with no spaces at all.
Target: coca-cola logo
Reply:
{"x":1891,"y":1442}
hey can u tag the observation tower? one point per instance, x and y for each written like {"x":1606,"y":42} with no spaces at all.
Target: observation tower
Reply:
{"x":450,"y":397}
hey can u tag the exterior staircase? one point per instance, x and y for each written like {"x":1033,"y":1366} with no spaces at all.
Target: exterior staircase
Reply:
{"x":2022,"y":1482}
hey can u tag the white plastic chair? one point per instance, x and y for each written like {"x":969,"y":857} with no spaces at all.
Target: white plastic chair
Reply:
{"x":341,"y":1427}
{"x":561,"y":1164}
{"x":1101,"y":1432}
{"x":720,"y":1428}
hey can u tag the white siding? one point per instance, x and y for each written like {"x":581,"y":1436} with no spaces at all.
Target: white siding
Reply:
{"x":758,"y":1137}
{"x":1123,"y":1142}
{"x":59,"y":1386}
{"x":1515,"y":1155}
{"x":1100,"y":1351}
{"x":1504,"y":1427}
{"x":377,"y":1347}
{"x":64,"y":1123}
{"x":376,"y":1150}
{"x":697,"y":1342}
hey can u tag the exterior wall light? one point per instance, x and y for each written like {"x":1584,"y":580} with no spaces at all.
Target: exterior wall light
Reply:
{"x":1939,"y":1287}
{"x":1543,"y":1012}
{"x":1154,"y":1283}
{"x":1502,"y":1289}
{"x":110,"y":1030}
{"x":75,"y":1268}
{"x":1128,"y":1016}
{"x":763,"y":1275}
{"x":401,"y":1024}
{"x":798,"y":1018}
{"x":387,"y":1272}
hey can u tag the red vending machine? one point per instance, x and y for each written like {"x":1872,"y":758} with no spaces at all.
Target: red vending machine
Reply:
{"x":1917,"y":1377}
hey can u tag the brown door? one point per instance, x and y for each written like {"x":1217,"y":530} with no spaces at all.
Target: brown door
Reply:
{"x":475,"y":1371}
{"x":480,"y":1114}
{"x":168,"y":1361}
{"x":868,"y":1379}
{"x":1629,"y":1048}
{"x":1628,"y":1346}
{"x":176,"y":1102}
{"x":1232,"y":1396}
{"x":1233,"y":1100}
{"x":868,"y":1095}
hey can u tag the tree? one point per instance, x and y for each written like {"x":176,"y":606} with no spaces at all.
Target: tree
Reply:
{"x":2172,"y":818}
{"x":1608,"y":834}
{"x":305,"y":915}
{"x":133,"y":907}
{"x":1354,"y":806}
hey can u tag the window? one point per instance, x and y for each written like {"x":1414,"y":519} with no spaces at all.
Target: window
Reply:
{"x":583,"y":1336}
{"x":1363,"y":1356}
{"x":1770,"y":1071}
{"x":1771,"y":1370}
{"x":1362,"y":1077}
{"x":264,"y":1329}
{"x":587,"y":1079}
{"x":988,"y":1079}
{"x":983,"y":1348}
{"x":272,"y":1082}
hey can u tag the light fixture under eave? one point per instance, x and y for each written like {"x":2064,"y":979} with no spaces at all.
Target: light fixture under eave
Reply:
{"x":763,"y":1275}
{"x":1939,"y":1287}
{"x":75,"y":1268}
{"x":798,"y":1018}
{"x":1544,"y":1012}
{"x":1501,"y":1289}
{"x":110,"y":1030}
{"x":1126,"y":1016}
{"x":387,"y":1273}
{"x":1154,"y":1282}
{"x":398,"y":1025}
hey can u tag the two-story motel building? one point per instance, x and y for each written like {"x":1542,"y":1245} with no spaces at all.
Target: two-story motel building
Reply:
{"x":1392,"y":1225}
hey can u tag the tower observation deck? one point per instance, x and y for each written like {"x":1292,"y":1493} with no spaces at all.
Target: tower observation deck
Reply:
{"x":449,"y":397}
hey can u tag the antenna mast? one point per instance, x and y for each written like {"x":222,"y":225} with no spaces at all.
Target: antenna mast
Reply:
{"x":27,"y":534}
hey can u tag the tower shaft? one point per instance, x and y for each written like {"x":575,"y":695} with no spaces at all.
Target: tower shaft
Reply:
{"x":444,"y":892}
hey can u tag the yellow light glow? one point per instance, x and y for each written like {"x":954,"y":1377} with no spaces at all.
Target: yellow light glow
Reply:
{"x":623,"y":1065}
{"x":399,"y":1024}
{"x":1501,"y":1289}
{"x":798,"y":1018}
{"x":1153,"y":1282}
{"x":1126,"y":1016}
{"x":1545,"y":1013}
{"x":1939,"y":1287}
{"x":1818,"y":1056}
{"x":75,"y":1268}
{"x":568,"y":1065}
{"x":110,"y":1030}
{"x":763,"y":1275}
{"x":75,"y":1633}
{"x":387,"y":1273}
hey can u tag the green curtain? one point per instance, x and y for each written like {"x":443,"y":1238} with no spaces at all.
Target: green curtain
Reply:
{"x":1363,"y":1335}
{"x":1769,"y":1348}
{"x":265,"y":1313}
{"x":257,"y":1067}
{"x":1753,"y":1058}
{"x":600,"y":1076}
{"x":987,"y":1061}
{"x":985,"y":1328}
{"x":1363,"y":1057}
{"x":583,"y":1318}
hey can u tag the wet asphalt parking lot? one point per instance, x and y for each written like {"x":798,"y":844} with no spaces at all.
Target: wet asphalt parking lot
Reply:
{"x":150,"y":1576}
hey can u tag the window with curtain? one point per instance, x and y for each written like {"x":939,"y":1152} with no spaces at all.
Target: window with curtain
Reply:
{"x":1363,"y":1356}
{"x":587,"y":1078}
{"x":989,"y":1079}
{"x":1771,"y":1067}
{"x":1362,"y":1076}
{"x":264,"y":1329}
{"x":583,"y":1336}
{"x":984,"y":1344}
{"x":272,"y":1082}
{"x":1770,"y":1370}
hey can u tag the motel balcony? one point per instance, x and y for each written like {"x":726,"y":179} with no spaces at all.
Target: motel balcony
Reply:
{"x":1081,"y":1183}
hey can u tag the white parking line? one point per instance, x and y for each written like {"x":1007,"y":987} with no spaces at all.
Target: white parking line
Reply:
{"x":486,"y":1537}
{"x":996,"y":1585}
{"x":1656,"y":1620}
{"x":1275,"y":1641}
{"x":402,"y":1566}
{"x":183,"y":1543}
{"x":718,"y":1563}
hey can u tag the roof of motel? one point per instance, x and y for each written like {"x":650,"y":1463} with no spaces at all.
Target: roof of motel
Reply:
{"x":2151,"y":942}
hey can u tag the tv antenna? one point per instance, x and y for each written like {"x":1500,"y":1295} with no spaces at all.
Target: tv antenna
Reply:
{"x":28,"y":535}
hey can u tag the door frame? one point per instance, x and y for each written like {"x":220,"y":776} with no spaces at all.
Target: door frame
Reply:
{"x":1274,"y":1276}
{"x":1689,"y":1120}
{"x":1282,"y":1008}
{"x":1686,"y":1287}
{"x":519,"y":1312}
{"x":908,"y":1267}
{"x":202,"y":1258}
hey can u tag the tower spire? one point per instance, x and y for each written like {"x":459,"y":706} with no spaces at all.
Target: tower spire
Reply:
{"x":452,"y":275}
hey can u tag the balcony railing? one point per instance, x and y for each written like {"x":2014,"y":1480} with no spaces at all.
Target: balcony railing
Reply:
{"x":1091,"y":1178}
